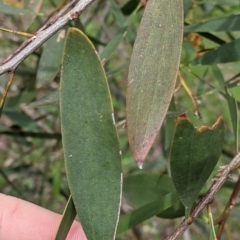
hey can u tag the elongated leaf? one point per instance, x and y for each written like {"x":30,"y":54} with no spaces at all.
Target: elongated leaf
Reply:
{"x":233,"y":110}
{"x":90,"y":140}
{"x":194,"y":154}
{"x":230,"y":23}
{"x":232,"y":103}
{"x":122,"y":32}
{"x":50,"y":99}
{"x":21,"y":119}
{"x":145,"y":212}
{"x":223,"y":2}
{"x":51,"y":58}
{"x":67,"y":220}
{"x":219,"y":55}
{"x":167,"y":130}
{"x":112,"y":45}
{"x":186,"y":6}
{"x":117,"y":13}
{"x":152,"y":73}
{"x":155,"y":187}
{"x":7,"y":9}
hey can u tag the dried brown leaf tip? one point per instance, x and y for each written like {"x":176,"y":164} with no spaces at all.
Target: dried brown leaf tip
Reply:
{"x":217,"y":123}
{"x":214,"y":126}
{"x":181,"y":117}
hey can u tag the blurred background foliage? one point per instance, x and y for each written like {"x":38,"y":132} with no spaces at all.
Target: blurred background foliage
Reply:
{"x":31,"y":157}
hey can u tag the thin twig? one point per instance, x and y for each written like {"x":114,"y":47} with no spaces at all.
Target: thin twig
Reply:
{"x":24,"y":34}
{"x":43,"y":36}
{"x":48,"y":23}
{"x":185,"y":86}
{"x":223,"y":218}
{"x":210,"y":217}
{"x":55,"y":17}
{"x":218,"y":181}
{"x":9,"y":83}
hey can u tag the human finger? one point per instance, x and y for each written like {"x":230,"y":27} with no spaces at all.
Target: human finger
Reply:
{"x":21,"y":220}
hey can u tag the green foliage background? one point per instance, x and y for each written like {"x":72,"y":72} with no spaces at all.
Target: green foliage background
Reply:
{"x":31,"y":157}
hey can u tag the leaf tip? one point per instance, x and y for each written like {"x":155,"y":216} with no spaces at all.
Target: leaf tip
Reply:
{"x":140,"y":163}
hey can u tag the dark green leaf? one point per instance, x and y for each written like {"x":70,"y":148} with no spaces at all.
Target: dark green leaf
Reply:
{"x":50,"y":99}
{"x":230,"y":23}
{"x":186,"y":6}
{"x":90,"y":139}
{"x":145,"y":212}
{"x":112,"y":45}
{"x":194,"y":154}
{"x":233,"y":110}
{"x":117,"y":13}
{"x":67,"y":220}
{"x":167,"y":130}
{"x":229,"y":52}
{"x":141,"y":189}
{"x":50,"y":59}
{"x":21,"y":119}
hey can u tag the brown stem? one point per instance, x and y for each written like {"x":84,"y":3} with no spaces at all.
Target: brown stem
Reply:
{"x":32,"y":44}
{"x":223,"y":218}
{"x":190,"y":94}
{"x":218,"y":181}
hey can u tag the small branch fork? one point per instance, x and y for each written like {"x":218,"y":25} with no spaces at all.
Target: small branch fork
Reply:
{"x":55,"y":24}
{"x":218,"y":181}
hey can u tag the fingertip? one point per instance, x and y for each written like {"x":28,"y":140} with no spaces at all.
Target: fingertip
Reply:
{"x":26,"y":221}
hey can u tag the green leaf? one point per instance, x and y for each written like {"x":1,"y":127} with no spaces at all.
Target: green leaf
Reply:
{"x":145,"y":212}
{"x":232,"y":103}
{"x":219,"y":55}
{"x":155,"y":187}
{"x":21,"y":119}
{"x":229,"y":23}
{"x":186,"y":6}
{"x":90,"y":141}
{"x":7,"y":9}
{"x":117,"y":13}
{"x":50,"y":99}
{"x":194,"y":154}
{"x":167,"y":131}
{"x":123,"y":22}
{"x":218,"y":76}
{"x":152,"y":73}
{"x":115,"y":41}
{"x":68,"y":217}
{"x":233,"y":110}
{"x":51,"y":59}
{"x":222,"y":2}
